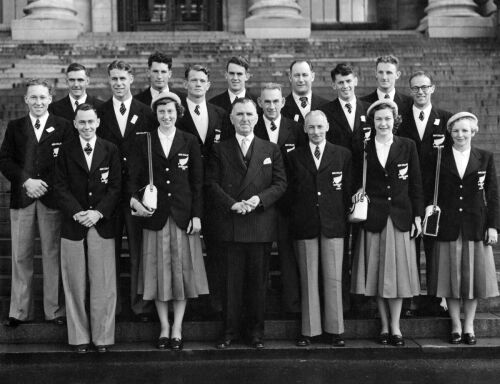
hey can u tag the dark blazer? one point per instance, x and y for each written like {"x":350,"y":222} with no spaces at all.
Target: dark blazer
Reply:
{"x":63,"y":107}
{"x":79,"y":189}
{"x":395,"y":190}
{"x":146,"y":98}
{"x":127,"y":144}
{"x":404,"y":102}
{"x":291,"y":109}
{"x":23,"y":157}
{"x":436,"y":125}
{"x":223,"y":101}
{"x":468,"y":205}
{"x":218,"y":127}
{"x":229,"y":180}
{"x":178,"y":178}
{"x":320,"y":198}
{"x":340,"y":132}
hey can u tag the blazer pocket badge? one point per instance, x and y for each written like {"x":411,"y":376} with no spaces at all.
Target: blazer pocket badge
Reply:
{"x":133,"y":120}
{"x":55,"y":148}
{"x":217,"y":136}
{"x":437,"y":121}
{"x":438,"y":140}
{"x":104,"y":174}
{"x":183,"y":161}
{"x":267,"y":160}
{"x":50,"y":129}
{"x":480,"y":181}
{"x":337,"y":180}
{"x":289,"y":147}
{"x":403,"y":171}
{"x":296,"y":118}
{"x":363,"y":118}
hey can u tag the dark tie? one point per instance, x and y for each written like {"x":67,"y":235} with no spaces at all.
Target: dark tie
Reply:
{"x":76,"y":104}
{"x":273,"y":126}
{"x":123,"y":109}
{"x":197,"y":109}
{"x":421,"y":116}
{"x":387,"y":96}
{"x":37,"y":123}
{"x":317,"y":153}
{"x":303,"y":101}
{"x":88,"y":149}
{"x":349,"y":107}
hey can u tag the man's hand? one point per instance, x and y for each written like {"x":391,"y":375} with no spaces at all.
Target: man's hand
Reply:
{"x":252,"y":203}
{"x":35,"y":188}
{"x":80,"y":216}
{"x":194,"y":226}
{"x":416,"y":227}
{"x":139,"y":209}
{"x":90,"y":218}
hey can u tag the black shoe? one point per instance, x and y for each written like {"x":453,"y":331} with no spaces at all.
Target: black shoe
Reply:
{"x":470,"y":339}
{"x":303,"y":341}
{"x":176,"y":344}
{"x":224,"y":343}
{"x":102,"y":348}
{"x":384,"y":338}
{"x":408,"y":313}
{"x":163,"y":343}
{"x":82,"y":348}
{"x":12,"y":322}
{"x":61,"y":320}
{"x":257,"y":343}
{"x":455,"y":338}
{"x":338,"y":341}
{"x":397,"y":340}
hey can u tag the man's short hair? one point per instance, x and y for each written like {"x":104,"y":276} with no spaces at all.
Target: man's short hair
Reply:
{"x":312,"y":113}
{"x":270,"y":86}
{"x":38,"y":81}
{"x":342,"y":69}
{"x":85,"y":107}
{"x":421,"y":73}
{"x":196,"y":68}
{"x":243,"y":100}
{"x":301,"y":61}
{"x":120,"y":65}
{"x":389,"y":59}
{"x":159,"y":57}
{"x":75,"y":67}
{"x":238,"y":60}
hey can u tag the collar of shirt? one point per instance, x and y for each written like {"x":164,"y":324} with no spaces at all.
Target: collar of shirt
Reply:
{"x":273,"y":135}
{"x":155,"y":93}
{"x":267,"y":122}
{"x":81,"y":100}
{"x":163,"y":136}
{"x":297,"y":99}
{"x":378,"y":144}
{"x":352,"y":102}
{"x":91,"y":142}
{"x":239,"y":138}
{"x":381,"y":95}
{"x":464,"y":155}
{"x":321,"y":147}
{"x":233,"y":96}
{"x":117,"y":103}
{"x":191,"y":106}
{"x":461,"y":160}
{"x":426,"y":110}
{"x":43,"y":120}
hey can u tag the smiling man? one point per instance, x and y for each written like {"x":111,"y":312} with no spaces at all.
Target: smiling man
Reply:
{"x":77,"y":79}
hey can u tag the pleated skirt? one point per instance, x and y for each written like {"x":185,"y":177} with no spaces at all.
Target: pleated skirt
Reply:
{"x":463,"y":270}
{"x":385,"y":264}
{"x":172,"y":265}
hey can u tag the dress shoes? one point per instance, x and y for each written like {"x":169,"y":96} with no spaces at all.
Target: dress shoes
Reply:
{"x":61,"y":320}
{"x":82,"y":348}
{"x":176,"y":344}
{"x":257,"y":343}
{"x":12,"y":322}
{"x":163,"y":343}
{"x":470,"y":339}
{"x":338,"y":341}
{"x":224,"y":343}
{"x":397,"y":340}
{"x":384,"y":338}
{"x":455,"y":338}
{"x":303,"y":341}
{"x":102,"y":348}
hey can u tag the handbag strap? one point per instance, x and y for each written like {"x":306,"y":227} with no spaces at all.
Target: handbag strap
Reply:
{"x":365,"y":143}
{"x":436,"y":181}
{"x":150,"y":158}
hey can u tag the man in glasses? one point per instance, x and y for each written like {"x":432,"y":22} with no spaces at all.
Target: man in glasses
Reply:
{"x":423,"y":123}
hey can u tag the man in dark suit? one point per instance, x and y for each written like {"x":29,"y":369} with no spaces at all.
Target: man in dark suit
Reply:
{"x":121,"y":117}
{"x":88,"y":184}
{"x":245,"y":178}
{"x":387,"y":73}
{"x":424,"y":124}
{"x":27,"y":160}
{"x":237,"y":74}
{"x":288,"y":135}
{"x":301,"y":100}
{"x":77,"y":78}
{"x":159,"y":73}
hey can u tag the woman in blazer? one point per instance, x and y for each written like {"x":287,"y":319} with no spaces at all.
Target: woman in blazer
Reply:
{"x":172,"y":261}
{"x":464,"y":268}
{"x":385,"y":257}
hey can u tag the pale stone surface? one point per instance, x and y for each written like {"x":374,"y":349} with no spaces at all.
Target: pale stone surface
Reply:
{"x":104,"y":15}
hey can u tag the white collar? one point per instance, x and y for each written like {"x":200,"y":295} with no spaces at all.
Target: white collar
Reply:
{"x":239,"y":138}
{"x":465,"y":154}
{"x":192,"y":105}
{"x":117,"y":103}
{"x":81,"y":100}
{"x":321,"y":146}
{"x":297,"y":97}
{"x":233,"y":96}
{"x":43,"y":119}
{"x":91,"y":142}
{"x":426,"y":110}
{"x":267,"y":122}
{"x":381,"y":94}
{"x":387,"y":144}
{"x":352,"y":102}
{"x":163,"y":136}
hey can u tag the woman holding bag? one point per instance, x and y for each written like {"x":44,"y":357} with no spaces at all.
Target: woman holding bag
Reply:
{"x":172,"y":261}
{"x":468,"y":200}
{"x":385,"y":257}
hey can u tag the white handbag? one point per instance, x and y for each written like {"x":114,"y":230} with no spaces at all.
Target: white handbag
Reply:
{"x":150,"y":193}
{"x":359,"y":210}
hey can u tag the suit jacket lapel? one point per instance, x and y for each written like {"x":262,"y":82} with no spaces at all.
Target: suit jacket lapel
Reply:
{"x":256,"y":162}
{"x":110,"y":119}
{"x":307,"y":159}
{"x":327,"y":158}
{"x":260,"y":129}
{"x":283,"y":133}
{"x":49,"y":124}
{"x":133,"y":112}
{"x":393,"y":151}
{"x":177,"y":144}
{"x":474,"y":162}
{"x":339,"y":116}
{"x":97,"y":157}
{"x":357,"y":116}
{"x":429,"y":127}
{"x":212,"y":124}
{"x":75,"y":152}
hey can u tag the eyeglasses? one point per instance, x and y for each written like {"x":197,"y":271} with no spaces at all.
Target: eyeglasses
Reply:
{"x":423,"y":88}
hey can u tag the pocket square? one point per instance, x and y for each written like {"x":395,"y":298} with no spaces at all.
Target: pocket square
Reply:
{"x":267,"y":160}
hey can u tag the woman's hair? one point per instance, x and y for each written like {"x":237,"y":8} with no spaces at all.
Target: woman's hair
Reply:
{"x":463,"y":116}
{"x":385,"y":104}
{"x":178,"y":107}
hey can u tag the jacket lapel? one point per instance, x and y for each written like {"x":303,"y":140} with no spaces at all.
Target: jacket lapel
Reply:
{"x":177,"y":144}
{"x":260,"y":129}
{"x":474,"y":162}
{"x":393,"y":151}
{"x":357,"y":117}
{"x":133,"y":112}
{"x":429,"y":128}
{"x":339,"y":117}
{"x":327,"y":158}
{"x":48,"y":130}
{"x":75,"y":151}
{"x":256,"y":162}
{"x":110,"y":119}
{"x":212,"y":124}
{"x":448,"y":161}
{"x":283,"y":133}
{"x":98,"y":156}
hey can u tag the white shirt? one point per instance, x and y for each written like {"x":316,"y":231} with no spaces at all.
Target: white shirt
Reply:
{"x":88,"y":158}
{"x":233,"y":96}
{"x":122,"y":119}
{"x":461,"y":160}
{"x":381,"y":95}
{"x":349,"y":116}
{"x":201,"y":120}
{"x":421,"y":124}
{"x":249,"y":139}
{"x":81,"y":101}
{"x":307,"y":109}
{"x":43,"y":122}
{"x":155,"y":93}
{"x":383,"y":151}
{"x":273,"y":135}
{"x":321,"y":151}
{"x":166,"y":141}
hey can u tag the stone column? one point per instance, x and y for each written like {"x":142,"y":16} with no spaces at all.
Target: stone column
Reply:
{"x":276,"y":19}
{"x":456,"y":18}
{"x":47,"y":20}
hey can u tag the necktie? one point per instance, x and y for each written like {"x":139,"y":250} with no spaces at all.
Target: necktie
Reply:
{"x":88,"y":149}
{"x":273,"y":126}
{"x":123,"y":109}
{"x":387,"y":96}
{"x":76,"y":104}
{"x":197,"y":109}
{"x":349,"y":107}
{"x":421,"y":116}
{"x":37,"y":123}
{"x":244,"y":146}
{"x":317,"y":153}
{"x":303,"y":101}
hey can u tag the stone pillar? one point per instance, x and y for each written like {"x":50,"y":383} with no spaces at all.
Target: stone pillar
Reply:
{"x":456,"y":18}
{"x":47,"y":20}
{"x":276,"y":19}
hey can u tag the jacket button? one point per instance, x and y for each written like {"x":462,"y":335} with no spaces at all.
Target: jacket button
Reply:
{"x":389,"y":198}
{"x":124,"y":159}
{"x":386,"y":175}
{"x":388,"y":187}
{"x":169,"y":194}
{"x":461,"y":198}
{"x":90,"y":193}
{"x":461,"y":186}
{"x":168,"y":181}
{"x":319,"y":193}
{"x":167,"y":169}
{"x":460,"y":209}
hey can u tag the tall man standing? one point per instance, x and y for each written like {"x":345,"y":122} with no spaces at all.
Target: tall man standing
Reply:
{"x":245,"y":177}
{"x":27,"y":156}
{"x":121,"y":118}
